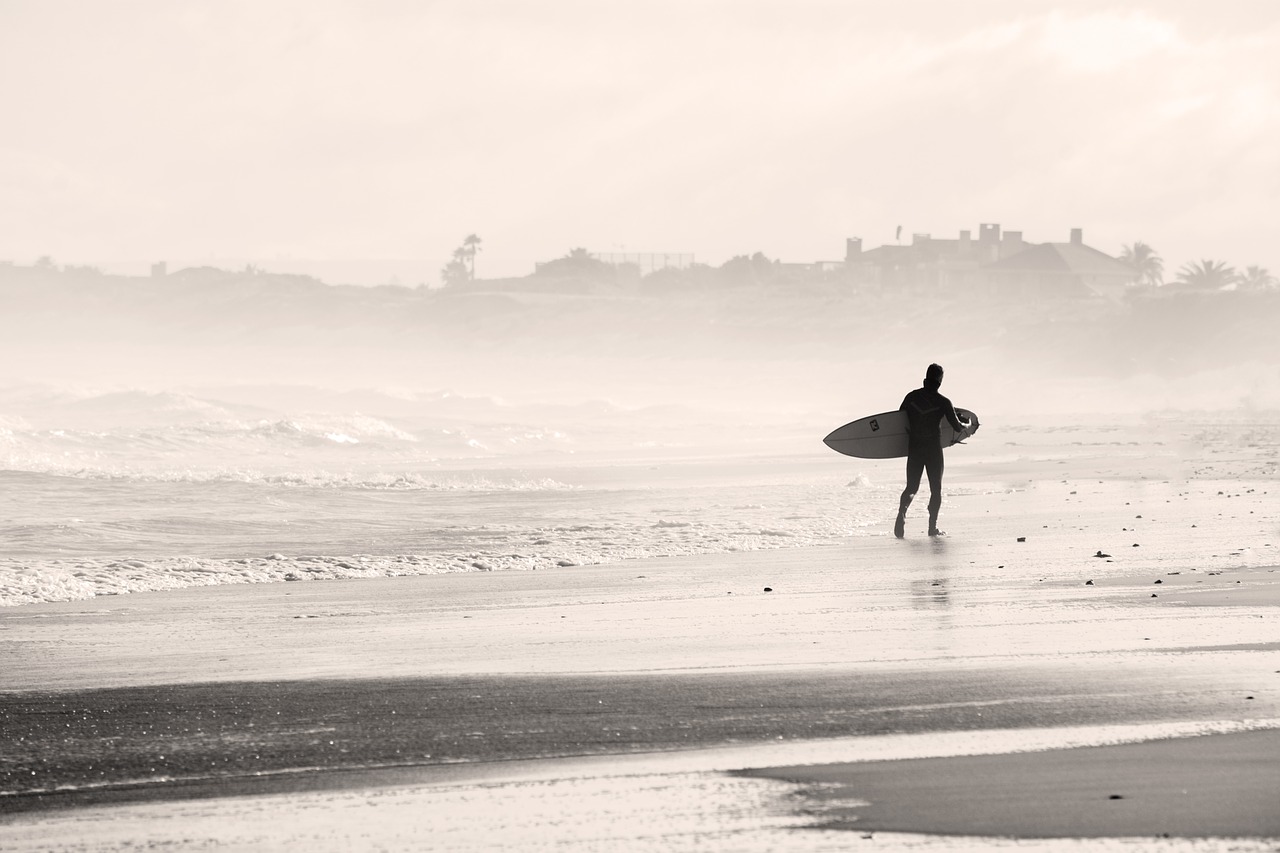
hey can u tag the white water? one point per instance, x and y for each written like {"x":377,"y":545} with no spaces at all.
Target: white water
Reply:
{"x":121,"y":492}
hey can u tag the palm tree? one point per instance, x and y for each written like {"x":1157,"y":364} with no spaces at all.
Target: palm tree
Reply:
{"x":1145,"y":262}
{"x":455,"y":272}
{"x":1257,"y":278}
{"x":471,"y":246}
{"x":1207,"y":275}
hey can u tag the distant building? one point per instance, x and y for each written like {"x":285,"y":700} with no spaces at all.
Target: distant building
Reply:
{"x":995,"y":263}
{"x":1061,"y":269}
{"x":159,"y":269}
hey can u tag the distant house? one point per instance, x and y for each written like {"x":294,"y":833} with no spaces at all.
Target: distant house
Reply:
{"x":929,"y":263}
{"x":1058,"y":269}
{"x":995,"y":263}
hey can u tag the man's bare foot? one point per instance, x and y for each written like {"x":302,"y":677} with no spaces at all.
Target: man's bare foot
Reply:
{"x":933,"y":531}
{"x":899,"y":526}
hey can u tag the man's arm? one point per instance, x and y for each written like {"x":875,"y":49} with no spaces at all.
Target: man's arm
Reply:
{"x":953,"y":417}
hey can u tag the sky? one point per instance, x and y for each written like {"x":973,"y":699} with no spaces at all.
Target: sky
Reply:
{"x":364,"y":130}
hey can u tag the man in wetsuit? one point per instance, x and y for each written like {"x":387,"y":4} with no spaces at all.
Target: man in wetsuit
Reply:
{"x":925,"y":409}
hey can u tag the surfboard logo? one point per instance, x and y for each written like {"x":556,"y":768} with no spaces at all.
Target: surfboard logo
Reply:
{"x":875,"y":425}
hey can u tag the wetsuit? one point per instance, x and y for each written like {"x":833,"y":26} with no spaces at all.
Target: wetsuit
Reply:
{"x":925,"y":408}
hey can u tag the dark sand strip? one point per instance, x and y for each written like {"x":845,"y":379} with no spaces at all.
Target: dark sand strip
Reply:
{"x":1211,"y":786}
{"x":196,"y":740}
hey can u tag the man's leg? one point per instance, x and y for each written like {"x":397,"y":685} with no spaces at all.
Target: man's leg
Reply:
{"x":915,"y":467}
{"x":934,"y":465}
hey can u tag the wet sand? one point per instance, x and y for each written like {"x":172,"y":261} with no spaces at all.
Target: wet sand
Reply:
{"x":1218,"y":786}
{"x":206,"y":740}
{"x":394,"y":698}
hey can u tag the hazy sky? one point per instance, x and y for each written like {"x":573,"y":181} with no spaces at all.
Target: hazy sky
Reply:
{"x":354,"y":129}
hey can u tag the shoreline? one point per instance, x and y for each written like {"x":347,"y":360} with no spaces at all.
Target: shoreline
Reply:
{"x":705,"y":613}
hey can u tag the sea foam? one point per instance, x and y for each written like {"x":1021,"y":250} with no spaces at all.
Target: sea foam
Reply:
{"x":257,"y":532}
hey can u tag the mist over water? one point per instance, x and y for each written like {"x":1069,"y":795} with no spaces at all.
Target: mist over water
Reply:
{"x":788,"y":352}
{"x":230,"y":428}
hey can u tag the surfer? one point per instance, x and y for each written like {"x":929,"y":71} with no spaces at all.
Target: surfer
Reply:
{"x":925,"y":408}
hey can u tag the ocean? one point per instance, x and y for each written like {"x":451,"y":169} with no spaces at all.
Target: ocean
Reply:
{"x":129,"y":491}
{"x":124,"y":491}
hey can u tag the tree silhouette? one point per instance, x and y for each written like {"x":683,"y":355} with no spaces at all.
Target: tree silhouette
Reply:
{"x":579,"y":264}
{"x":471,"y":247}
{"x":1206,"y":275}
{"x":463,"y":266}
{"x":1257,"y":278}
{"x":741,"y":269}
{"x":1145,"y":262}
{"x":456,"y":272}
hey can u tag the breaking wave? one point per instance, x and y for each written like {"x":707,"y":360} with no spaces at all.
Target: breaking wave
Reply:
{"x":516,"y":527}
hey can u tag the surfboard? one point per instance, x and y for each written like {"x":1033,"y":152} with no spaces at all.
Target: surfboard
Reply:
{"x":884,"y":436}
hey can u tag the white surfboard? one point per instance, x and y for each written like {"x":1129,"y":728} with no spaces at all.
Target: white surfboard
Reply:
{"x":884,"y":436}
